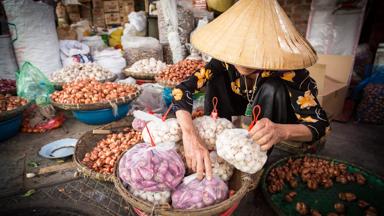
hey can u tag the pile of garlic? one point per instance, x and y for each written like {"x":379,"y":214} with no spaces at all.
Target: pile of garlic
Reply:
{"x":162,"y":197}
{"x":79,"y":71}
{"x":208,"y":128}
{"x":162,"y":131}
{"x":220,"y":167}
{"x":151,"y":66}
{"x":237,"y":148}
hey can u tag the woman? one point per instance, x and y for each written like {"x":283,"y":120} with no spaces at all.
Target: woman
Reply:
{"x":268,"y":56}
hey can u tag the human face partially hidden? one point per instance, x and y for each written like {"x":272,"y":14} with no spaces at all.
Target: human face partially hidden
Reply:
{"x":245,"y":71}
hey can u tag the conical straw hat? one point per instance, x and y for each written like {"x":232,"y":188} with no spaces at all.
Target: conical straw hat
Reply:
{"x":255,"y":34}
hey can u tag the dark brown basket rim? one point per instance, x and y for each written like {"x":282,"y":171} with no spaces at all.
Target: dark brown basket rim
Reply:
{"x":12,"y":113}
{"x":96,"y":106}
{"x":77,"y":157}
{"x":146,"y":206}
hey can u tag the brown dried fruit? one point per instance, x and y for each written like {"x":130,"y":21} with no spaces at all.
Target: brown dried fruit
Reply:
{"x":312,"y":184}
{"x":301,"y":208}
{"x":339,"y":207}
{"x":347,"y":196}
{"x":293,"y":183}
{"x":332,"y":214}
{"x":341,"y":179}
{"x":360,"y":179}
{"x":290,"y":196}
{"x":315,"y":212}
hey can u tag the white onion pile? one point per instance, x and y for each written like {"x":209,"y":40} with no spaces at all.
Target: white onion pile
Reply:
{"x":237,"y":148}
{"x":162,"y":197}
{"x":79,"y":71}
{"x":208,"y":128}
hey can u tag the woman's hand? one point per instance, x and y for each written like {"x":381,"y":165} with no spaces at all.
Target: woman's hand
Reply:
{"x":196,"y":153}
{"x":266,"y":133}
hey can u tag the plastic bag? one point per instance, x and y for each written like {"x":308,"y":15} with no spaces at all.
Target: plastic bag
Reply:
{"x":237,"y":148}
{"x":162,"y":197}
{"x":162,"y":131}
{"x":220,"y":167}
{"x":38,"y":119}
{"x":111,"y":59}
{"x":150,"y":99}
{"x":72,"y":51}
{"x":208,"y":128}
{"x":82,"y":29}
{"x":95,"y":43}
{"x":115,"y":38}
{"x":33,"y":85}
{"x":152,"y":168}
{"x":138,"y":20}
{"x":139,"y":123}
{"x":137,"y":48}
{"x":193,"y":193}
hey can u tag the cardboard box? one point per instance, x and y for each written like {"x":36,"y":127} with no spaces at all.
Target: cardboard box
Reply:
{"x":111,"y":6}
{"x":85,"y":11}
{"x":112,"y":18}
{"x":98,"y":4}
{"x":332,"y":74}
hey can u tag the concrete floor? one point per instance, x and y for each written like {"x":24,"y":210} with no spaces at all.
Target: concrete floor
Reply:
{"x":357,"y":143}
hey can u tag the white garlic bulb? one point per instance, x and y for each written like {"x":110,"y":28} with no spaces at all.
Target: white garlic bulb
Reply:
{"x":147,"y":66}
{"x":162,"y":197}
{"x":237,"y":148}
{"x":167,"y":131}
{"x":220,"y":167}
{"x":80,"y":71}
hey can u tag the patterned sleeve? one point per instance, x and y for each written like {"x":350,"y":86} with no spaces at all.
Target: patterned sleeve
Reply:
{"x":182,"y":93}
{"x":303,"y":92}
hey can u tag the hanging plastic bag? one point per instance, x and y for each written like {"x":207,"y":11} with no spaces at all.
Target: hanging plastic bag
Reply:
{"x":115,"y":38}
{"x":150,"y":99}
{"x":138,"y":20}
{"x":193,"y":193}
{"x":237,"y":148}
{"x":152,"y":168}
{"x":33,"y":85}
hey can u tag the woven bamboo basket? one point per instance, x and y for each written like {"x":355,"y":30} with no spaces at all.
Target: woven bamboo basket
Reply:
{"x":141,"y":76}
{"x":241,"y":182}
{"x":59,"y":85}
{"x":87,"y":142}
{"x":166,"y":83}
{"x":96,"y":106}
{"x":11,"y":113}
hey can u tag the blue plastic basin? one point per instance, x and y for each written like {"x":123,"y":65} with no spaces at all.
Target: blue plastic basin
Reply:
{"x":10,"y":127}
{"x":101,"y":116}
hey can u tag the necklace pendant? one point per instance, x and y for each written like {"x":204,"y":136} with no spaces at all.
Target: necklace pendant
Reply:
{"x":248,"y":110}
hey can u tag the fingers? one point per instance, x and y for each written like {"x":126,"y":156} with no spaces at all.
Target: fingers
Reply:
{"x":258,"y":126}
{"x":208,"y":166}
{"x":189,"y":161}
{"x":265,"y":138}
{"x":194,"y":164}
{"x":200,"y":167}
{"x":267,"y":146}
{"x":259,"y":134}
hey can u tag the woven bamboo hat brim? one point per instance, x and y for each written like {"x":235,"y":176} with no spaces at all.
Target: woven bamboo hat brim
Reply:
{"x":255,"y":34}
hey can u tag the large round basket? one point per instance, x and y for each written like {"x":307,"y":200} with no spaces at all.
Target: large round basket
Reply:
{"x":59,"y":85}
{"x":97,"y":106}
{"x":141,"y":76}
{"x":324,"y":199}
{"x":84,"y":145}
{"x":12,"y":113}
{"x":240,"y":182}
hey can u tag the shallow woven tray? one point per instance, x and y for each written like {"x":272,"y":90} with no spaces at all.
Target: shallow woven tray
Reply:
{"x":240,"y":182}
{"x":324,"y":199}
{"x":12,"y":113}
{"x":59,"y":85}
{"x":85,"y":144}
{"x":167,"y":83}
{"x":96,"y":106}
{"x":142,"y":76}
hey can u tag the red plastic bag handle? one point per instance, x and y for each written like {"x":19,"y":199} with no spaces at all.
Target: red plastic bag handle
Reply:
{"x":164,"y":117}
{"x":150,"y":136}
{"x":214,"y":113}
{"x":255,"y":116}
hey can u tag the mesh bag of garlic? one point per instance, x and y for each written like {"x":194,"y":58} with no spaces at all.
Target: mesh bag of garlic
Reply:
{"x":193,"y":193}
{"x":152,"y":168}
{"x":163,"y":131}
{"x":208,"y":128}
{"x":237,"y":148}
{"x":220,"y":167}
{"x":162,"y":197}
